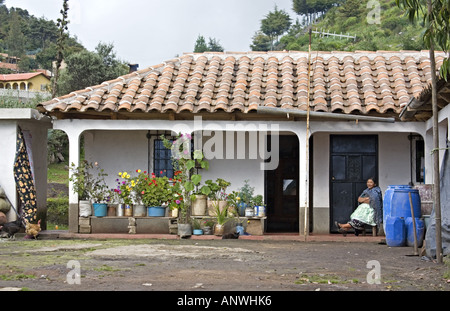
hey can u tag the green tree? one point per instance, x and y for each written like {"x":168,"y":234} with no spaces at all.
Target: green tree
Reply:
{"x":260,"y":42}
{"x":436,"y":17}
{"x":16,"y":39}
{"x":214,"y":45}
{"x":275,"y":24}
{"x":351,"y":8}
{"x":310,"y":8}
{"x":87,"y":68}
{"x":112,"y":67}
{"x":200,"y":45}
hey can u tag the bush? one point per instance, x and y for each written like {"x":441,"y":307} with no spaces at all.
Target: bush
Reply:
{"x":58,"y":210}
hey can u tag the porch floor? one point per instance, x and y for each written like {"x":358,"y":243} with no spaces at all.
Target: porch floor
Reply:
{"x":62,"y":234}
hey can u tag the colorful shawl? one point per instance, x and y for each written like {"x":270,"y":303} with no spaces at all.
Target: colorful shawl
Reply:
{"x":24,"y":180}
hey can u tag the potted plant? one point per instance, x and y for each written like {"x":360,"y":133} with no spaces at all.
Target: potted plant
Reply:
{"x":125,"y":190}
{"x":199,"y":202}
{"x":196,"y":226}
{"x":208,"y":226}
{"x":90,"y":188}
{"x":221,"y":218}
{"x":245,"y":197}
{"x":233,"y":201}
{"x":185,"y":181}
{"x":139,"y":208}
{"x":259,"y":206}
{"x":156,"y":192}
{"x":217,"y":194}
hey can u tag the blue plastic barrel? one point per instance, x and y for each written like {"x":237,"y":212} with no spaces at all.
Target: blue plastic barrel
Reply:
{"x":396,"y":202}
{"x":420,"y":230}
{"x":400,"y":205}
{"x":388,"y":199}
{"x":395,"y":231}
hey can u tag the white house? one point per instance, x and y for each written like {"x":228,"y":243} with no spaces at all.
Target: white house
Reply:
{"x":368,"y":117}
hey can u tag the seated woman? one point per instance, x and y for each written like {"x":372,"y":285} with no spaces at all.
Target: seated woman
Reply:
{"x":368,"y":212}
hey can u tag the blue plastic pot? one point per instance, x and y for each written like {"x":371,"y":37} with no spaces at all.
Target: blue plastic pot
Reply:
{"x":100,"y":209}
{"x":198,"y":232}
{"x":240,"y":230}
{"x":156,"y":211}
{"x":241,"y":207}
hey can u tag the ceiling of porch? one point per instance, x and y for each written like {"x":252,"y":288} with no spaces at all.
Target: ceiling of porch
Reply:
{"x":362,"y":83}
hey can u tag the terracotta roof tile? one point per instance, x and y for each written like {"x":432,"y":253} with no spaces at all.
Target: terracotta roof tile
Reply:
{"x":347,"y":82}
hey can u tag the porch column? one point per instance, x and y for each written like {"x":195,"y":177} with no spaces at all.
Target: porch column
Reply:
{"x":303,"y":179}
{"x":73,"y":134}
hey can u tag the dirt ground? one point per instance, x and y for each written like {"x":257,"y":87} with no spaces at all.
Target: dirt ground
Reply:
{"x":215,"y":265}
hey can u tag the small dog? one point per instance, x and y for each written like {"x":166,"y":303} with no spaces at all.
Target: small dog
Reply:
{"x":230,"y":236}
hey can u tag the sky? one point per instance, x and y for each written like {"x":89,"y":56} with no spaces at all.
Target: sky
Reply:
{"x":149,"y":32}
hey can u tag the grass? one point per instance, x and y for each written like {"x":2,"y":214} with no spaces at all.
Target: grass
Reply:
{"x":57,"y":173}
{"x":16,"y":277}
{"x":57,"y":213}
{"x":447,"y":265}
{"x":323,"y":279}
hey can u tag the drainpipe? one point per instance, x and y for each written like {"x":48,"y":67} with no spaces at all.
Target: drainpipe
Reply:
{"x":326,"y":115}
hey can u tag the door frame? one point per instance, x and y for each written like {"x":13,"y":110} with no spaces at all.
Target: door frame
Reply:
{"x":277,"y":193}
{"x":330,"y":173}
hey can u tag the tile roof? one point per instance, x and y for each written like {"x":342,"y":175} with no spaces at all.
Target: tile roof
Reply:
{"x":19,"y":76}
{"x":13,"y":67}
{"x":344,"y":82}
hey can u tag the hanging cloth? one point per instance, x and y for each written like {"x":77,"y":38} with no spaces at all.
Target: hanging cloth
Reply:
{"x":24,"y":180}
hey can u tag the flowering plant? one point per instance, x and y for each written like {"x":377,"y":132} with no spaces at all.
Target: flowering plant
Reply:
{"x":125,"y":187}
{"x":186,"y":182}
{"x":218,"y":189}
{"x":89,"y":182}
{"x":154,"y":191}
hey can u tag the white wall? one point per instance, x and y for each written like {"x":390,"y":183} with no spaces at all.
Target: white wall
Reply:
{"x":8,"y":133}
{"x":28,"y":120}
{"x":119,"y":151}
{"x":393,"y":164}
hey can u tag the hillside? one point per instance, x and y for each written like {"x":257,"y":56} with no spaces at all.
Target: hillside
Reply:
{"x":393,"y":32}
{"x":24,"y":34}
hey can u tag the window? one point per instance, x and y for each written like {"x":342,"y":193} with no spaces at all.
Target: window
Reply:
{"x":162,"y":160}
{"x":420,"y":159}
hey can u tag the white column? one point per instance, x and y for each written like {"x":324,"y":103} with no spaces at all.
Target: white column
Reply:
{"x":303,"y":177}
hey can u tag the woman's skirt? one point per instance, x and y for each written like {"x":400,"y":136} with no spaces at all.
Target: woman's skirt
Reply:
{"x":363,"y":215}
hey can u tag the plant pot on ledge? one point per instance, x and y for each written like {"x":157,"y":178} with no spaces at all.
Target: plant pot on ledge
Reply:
{"x":219,"y":230}
{"x":100,"y":209}
{"x":85,"y":208}
{"x":156,"y":211}
{"x":199,"y":205}
{"x":184,"y":230}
